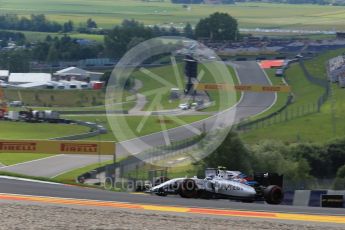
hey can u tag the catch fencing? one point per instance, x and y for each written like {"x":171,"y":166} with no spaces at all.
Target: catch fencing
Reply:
{"x":288,"y":112}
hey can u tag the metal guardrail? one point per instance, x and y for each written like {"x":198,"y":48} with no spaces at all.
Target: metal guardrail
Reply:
{"x":95,"y":130}
{"x":68,"y":112}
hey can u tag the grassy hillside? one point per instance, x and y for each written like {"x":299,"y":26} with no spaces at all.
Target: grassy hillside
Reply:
{"x":317,"y":127}
{"x":109,"y":12}
{"x":21,"y":130}
{"x":128,"y":128}
{"x":50,"y":98}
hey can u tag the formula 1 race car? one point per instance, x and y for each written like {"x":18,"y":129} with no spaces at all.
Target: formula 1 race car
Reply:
{"x":223,"y":184}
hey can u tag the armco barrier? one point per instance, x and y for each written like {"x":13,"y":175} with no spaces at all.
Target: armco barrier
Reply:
{"x":248,"y":125}
{"x":95,"y":130}
{"x":132,"y":163}
{"x":93,"y":112}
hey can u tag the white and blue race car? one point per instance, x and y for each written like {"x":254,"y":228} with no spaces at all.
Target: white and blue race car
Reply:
{"x":224,"y":184}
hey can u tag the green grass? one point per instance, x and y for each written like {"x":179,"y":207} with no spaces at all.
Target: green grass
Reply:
{"x":107,"y":13}
{"x":16,"y":158}
{"x":318,"y":127}
{"x":316,"y":66}
{"x":58,"y":98}
{"x":149,"y":84}
{"x":212,"y":74}
{"x":126,"y":126}
{"x":32,"y":36}
{"x":70,"y":177}
{"x":304,"y":91}
{"x":21,"y":130}
{"x":124,"y":106}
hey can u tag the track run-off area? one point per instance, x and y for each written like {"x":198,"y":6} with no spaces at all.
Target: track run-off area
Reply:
{"x":15,"y":190}
{"x":251,"y":103}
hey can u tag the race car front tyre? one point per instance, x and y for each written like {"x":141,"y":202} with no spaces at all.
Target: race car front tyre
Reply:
{"x":161,"y":192}
{"x":188,"y":189}
{"x":273,"y":194}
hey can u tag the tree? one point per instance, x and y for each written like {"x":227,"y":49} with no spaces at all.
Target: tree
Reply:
{"x":231,"y":154}
{"x":118,"y":39}
{"x":53,"y":54}
{"x":18,"y":61}
{"x":339,"y":182}
{"x":68,"y":26}
{"x":273,"y":156}
{"x":134,"y":41}
{"x":218,"y":27}
{"x":188,"y":31}
{"x":91,"y":24}
{"x":106,"y":77}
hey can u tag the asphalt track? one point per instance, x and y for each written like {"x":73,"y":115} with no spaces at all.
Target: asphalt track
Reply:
{"x":250,"y":104}
{"x":171,"y":203}
{"x":55,"y":165}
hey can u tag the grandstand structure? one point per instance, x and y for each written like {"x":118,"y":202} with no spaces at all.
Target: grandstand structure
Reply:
{"x":336,"y":70}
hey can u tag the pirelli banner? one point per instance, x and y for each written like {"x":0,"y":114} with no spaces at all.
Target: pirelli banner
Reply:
{"x":57,"y":147}
{"x":249,"y":88}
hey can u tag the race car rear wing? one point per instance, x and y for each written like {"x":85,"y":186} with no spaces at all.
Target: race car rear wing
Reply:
{"x":267,"y":179}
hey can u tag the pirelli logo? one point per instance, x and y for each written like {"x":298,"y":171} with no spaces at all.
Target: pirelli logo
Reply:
{"x":18,"y":146}
{"x":58,"y":147}
{"x":78,"y":148}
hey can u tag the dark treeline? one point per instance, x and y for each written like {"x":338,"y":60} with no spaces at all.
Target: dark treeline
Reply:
{"x":64,"y":48}
{"x":40,"y":23}
{"x":16,"y":60}
{"x":51,"y":50}
{"x":6,"y":36}
{"x":131,"y":32}
{"x":34,"y":23}
{"x":216,"y":27}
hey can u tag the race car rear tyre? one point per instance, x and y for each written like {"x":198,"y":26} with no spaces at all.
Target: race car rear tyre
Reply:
{"x":273,"y":194}
{"x":188,"y":189}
